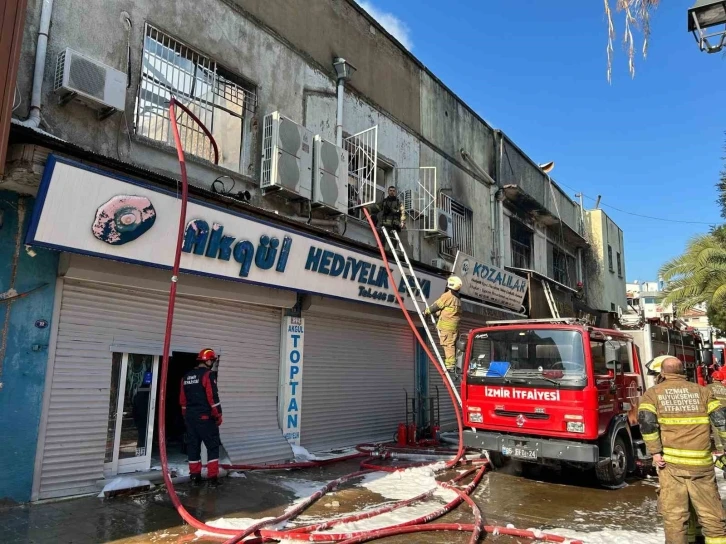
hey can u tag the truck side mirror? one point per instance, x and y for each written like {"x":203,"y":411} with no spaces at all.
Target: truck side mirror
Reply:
{"x":461,"y":342}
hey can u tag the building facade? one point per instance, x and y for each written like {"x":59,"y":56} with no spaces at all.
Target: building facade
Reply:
{"x":291,"y":291}
{"x":605,"y":272}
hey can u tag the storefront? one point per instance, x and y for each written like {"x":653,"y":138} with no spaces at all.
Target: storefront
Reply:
{"x":339,"y":369}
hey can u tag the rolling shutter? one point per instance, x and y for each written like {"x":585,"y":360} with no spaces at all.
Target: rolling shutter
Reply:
{"x":94,"y":317}
{"x":354,"y":377}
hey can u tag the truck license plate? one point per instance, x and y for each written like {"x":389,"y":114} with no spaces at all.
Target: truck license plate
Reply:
{"x":520,"y":451}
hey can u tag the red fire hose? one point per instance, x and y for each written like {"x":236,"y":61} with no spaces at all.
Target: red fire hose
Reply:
{"x":306,"y":533}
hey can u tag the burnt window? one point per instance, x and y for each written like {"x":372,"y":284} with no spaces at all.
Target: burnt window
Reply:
{"x":610,"y":258}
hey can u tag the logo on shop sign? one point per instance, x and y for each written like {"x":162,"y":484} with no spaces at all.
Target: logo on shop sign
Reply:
{"x":465,"y":267}
{"x":123,"y":219}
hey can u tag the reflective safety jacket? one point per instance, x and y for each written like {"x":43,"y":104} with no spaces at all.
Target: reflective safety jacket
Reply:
{"x":393,"y":212}
{"x":719,"y":391}
{"x":675,"y":419}
{"x":448,"y":306}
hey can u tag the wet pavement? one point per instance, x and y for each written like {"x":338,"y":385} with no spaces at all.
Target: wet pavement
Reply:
{"x":542,"y":501}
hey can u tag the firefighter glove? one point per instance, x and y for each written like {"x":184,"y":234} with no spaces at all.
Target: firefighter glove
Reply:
{"x":218,"y":420}
{"x":427,"y":311}
{"x":721,"y":462}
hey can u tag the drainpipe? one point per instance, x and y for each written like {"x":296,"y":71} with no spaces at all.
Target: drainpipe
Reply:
{"x":41,"y":50}
{"x":344,"y":70}
{"x":499,"y":198}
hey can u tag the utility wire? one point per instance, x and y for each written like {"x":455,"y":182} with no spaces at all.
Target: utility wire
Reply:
{"x":712,"y":223}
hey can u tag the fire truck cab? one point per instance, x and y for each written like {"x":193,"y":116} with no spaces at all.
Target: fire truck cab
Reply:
{"x":554,"y":392}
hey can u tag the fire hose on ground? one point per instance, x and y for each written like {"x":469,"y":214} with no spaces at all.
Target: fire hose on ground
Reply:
{"x":257,"y":531}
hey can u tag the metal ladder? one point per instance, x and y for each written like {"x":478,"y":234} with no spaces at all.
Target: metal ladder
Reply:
{"x":417,"y":296}
{"x":551,"y":300}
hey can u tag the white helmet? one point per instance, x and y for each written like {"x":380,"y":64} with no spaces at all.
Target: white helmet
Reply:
{"x":454,"y":283}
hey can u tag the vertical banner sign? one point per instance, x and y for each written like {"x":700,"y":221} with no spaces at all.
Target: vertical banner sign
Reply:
{"x":291,"y":374}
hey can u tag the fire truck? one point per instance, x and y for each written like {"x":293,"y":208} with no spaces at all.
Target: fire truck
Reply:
{"x":655,"y":338}
{"x":554,"y":392}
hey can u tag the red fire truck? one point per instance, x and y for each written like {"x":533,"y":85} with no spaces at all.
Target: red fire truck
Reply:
{"x":554,"y":392}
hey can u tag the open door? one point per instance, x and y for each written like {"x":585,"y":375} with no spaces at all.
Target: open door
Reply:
{"x":131,"y":413}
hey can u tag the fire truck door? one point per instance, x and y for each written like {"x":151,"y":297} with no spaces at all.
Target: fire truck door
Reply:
{"x":605,"y":381}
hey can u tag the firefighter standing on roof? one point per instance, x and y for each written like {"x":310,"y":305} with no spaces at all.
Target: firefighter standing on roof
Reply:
{"x":675,"y":418}
{"x":202,"y":412}
{"x":448,"y":308}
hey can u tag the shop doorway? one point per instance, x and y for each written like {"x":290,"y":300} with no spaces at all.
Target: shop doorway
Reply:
{"x":180,"y":363}
{"x":132,"y":407}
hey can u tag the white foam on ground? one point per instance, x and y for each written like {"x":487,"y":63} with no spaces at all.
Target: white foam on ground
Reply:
{"x":609,"y":536}
{"x":121,"y":483}
{"x":238,"y":524}
{"x":396,"y":517}
{"x":407,"y":483}
{"x":301,"y":454}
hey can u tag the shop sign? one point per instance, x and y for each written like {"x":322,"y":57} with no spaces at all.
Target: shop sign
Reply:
{"x":291,"y":378}
{"x":85,"y":210}
{"x":489,"y":283}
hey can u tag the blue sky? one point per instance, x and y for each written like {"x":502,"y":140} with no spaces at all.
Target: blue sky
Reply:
{"x":537,"y":70}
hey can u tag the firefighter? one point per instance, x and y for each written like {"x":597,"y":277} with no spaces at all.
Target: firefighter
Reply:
{"x":202,"y":412}
{"x":448,"y":308}
{"x":675,"y":419}
{"x":393,"y":214}
{"x":718,"y":390}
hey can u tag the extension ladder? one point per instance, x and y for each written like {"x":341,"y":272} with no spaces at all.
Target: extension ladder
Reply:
{"x":417,"y":295}
{"x":551,"y":300}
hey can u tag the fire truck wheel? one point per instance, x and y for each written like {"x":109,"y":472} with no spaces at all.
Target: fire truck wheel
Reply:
{"x":613,"y":474}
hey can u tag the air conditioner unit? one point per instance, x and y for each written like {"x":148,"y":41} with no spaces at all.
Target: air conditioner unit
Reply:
{"x":441,"y":264}
{"x":287,"y":157}
{"x":78,"y":77}
{"x":330,"y":176}
{"x":443,"y":225}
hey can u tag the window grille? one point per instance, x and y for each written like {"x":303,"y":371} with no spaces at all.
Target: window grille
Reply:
{"x":463,"y":227}
{"x":220,"y":99}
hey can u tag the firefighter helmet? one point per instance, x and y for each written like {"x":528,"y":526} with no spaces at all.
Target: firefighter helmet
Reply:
{"x":718,"y":376}
{"x":207,"y":355}
{"x":454,"y":283}
{"x":654,"y":366}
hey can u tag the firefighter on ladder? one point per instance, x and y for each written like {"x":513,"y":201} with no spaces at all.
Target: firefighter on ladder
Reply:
{"x":448,"y":308}
{"x":199,"y":399}
{"x":675,"y":418}
{"x":393,"y":213}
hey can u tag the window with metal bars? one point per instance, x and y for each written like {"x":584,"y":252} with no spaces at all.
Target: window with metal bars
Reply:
{"x":463,"y":228}
{"x":220,"y":99}
{"x":521,"y":243}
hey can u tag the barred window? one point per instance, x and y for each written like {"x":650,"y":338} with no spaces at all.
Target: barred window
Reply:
{"x":463,"y":227}
{"x":219,"y":98}
{"x":521,"y":242}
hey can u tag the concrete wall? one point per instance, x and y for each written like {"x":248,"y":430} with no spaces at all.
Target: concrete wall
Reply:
{"x":285,"y":48}
{"x":23,"y":345}
{"x":604,"y":287}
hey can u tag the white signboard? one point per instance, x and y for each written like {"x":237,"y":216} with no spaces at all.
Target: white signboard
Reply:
{"x":291,"y":377}
{"x":96,"y":213}
{"x":489,"y":283}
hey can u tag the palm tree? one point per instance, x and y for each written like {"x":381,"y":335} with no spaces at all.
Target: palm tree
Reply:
{"x":637,"y":18}
{"x":699,"y":275}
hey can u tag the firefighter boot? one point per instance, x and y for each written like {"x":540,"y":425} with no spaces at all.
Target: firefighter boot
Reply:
{"x":214,"y":482}
{"x":195,"y":479}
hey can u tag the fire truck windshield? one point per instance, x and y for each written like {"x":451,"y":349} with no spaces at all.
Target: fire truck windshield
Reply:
{"x":541,"y":357}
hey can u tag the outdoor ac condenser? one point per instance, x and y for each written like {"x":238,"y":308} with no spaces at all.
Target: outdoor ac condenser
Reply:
{"x":287,"y":157}
{"x":330,"y":176}
{"x":78,"y":77}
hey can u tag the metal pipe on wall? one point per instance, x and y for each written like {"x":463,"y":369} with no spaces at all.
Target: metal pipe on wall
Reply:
{"x":41,"y":52}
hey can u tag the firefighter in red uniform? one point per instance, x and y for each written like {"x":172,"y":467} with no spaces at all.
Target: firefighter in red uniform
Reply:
{"x":202,"y":412}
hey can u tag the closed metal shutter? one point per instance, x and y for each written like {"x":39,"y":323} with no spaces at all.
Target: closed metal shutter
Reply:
{"x":354,"y":377}
{"x":93,"y":317}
